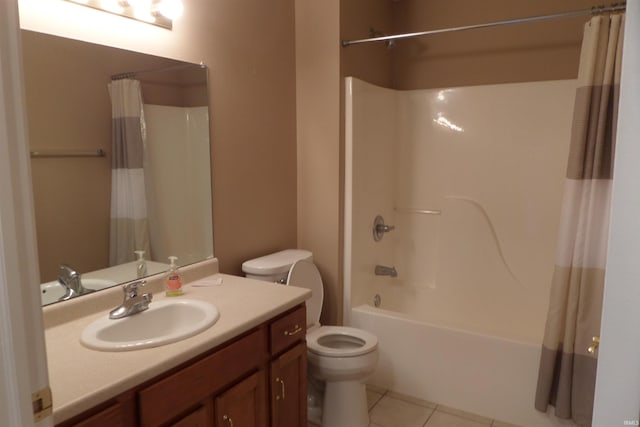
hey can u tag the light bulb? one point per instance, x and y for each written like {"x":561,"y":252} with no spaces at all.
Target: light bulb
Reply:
{"x":142,"y":10}
{"x":171,"y":9}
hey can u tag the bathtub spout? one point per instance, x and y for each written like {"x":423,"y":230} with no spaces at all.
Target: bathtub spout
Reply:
{"x":382,"y":270}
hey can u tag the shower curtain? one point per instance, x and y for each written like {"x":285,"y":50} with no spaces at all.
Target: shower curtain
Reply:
{"x":567,"y":374}
{"x":128,"y":228}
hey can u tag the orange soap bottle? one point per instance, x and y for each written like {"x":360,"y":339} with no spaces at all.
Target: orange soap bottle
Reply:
{"x":173,"y":280}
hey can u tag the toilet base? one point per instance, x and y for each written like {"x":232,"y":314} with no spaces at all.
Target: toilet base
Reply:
{"x":345,"y":404}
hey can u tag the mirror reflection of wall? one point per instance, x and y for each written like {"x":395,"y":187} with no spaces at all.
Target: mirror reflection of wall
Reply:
{"x":69,"y":109}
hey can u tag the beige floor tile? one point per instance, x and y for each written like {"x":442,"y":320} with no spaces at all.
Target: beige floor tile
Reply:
{"x":374,"y":425}
{"x":390,"y":412}
{"x":411,"y":399}
{"x":464,"y":414}
{"x":372,"y":398}
{"x":501,"y":424}
{"x":310,"y":424}
{"x":443,"y":419}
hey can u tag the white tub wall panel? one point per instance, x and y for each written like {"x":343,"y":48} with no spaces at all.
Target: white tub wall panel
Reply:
{"x":416,"y":245}
{"x":421,"y":147}
{"x":489,"y":376}
{"x":373,"y":138}
{"x":178,"y":171}
{"x":510,"y":157}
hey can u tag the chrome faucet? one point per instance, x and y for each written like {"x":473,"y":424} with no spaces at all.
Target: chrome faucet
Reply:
{"x":70,"y":281}
{"x":382,"y":270}
{"x":134,"y":302}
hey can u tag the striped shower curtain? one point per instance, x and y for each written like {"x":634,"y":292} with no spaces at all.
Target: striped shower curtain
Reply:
{"x":128,"y":229}
{"x":567,"y":374}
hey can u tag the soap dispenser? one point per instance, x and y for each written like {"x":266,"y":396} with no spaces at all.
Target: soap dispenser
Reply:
{"x":173,"y":281}
{"x":141,"y":265}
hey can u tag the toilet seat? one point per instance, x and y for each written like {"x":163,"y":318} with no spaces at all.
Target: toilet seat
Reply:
{"x":340,"y":341}
{"x":305,"y":274}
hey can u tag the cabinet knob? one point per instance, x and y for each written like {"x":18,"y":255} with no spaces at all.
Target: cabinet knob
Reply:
{"x":296,"y":330}
{"x":282,"y":395}
{"x":228,"y":419}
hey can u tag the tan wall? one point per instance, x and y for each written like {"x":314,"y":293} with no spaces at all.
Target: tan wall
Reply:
{"x":546,"y":50}
{"x":370,"y":62}
{"x":252,"y":82}
{"x":249,"y":48}
{"x":319,"y":160}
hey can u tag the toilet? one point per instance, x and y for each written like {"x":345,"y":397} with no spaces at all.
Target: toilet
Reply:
{"x":340,"y":358}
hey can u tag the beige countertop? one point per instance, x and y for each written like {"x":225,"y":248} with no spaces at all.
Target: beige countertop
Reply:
{"x":81,"y":378}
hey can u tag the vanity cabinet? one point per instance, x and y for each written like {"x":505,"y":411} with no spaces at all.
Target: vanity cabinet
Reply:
{"x":120,"y":412}
{"x":255,"y":380}
{"x":289,"y":392}
{"x":288,"y":370}
{"x":243,"y":404}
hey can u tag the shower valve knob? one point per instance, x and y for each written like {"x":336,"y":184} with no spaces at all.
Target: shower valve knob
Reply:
{"x":379,"y":228}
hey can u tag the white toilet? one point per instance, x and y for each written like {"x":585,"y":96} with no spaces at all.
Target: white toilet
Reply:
{"x":340,"y":358}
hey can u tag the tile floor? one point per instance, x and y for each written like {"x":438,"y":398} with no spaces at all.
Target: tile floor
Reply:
{"x":389,"y":409}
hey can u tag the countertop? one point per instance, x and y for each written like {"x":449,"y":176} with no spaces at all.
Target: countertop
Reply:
{"x":81,"y":378}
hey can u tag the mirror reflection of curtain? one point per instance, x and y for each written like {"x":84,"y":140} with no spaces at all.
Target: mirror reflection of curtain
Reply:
{"x":128,"y":229}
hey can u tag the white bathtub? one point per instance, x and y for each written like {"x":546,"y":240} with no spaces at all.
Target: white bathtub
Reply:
{"x":486,"y":375}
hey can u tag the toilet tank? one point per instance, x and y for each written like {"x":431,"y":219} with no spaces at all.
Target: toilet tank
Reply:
{"x":274,"y":267}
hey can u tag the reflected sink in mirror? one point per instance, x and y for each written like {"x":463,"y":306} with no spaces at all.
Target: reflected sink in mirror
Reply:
{"x":52,"y":291}
{"x":100,"y":279}
{"x":163,"y":323}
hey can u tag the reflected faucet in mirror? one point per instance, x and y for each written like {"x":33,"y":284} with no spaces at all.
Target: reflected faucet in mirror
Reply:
{"x":70,"y":281}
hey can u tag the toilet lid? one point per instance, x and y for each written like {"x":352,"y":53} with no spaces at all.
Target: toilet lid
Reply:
{"x":341,"y":341}
{"x":304,"y":274}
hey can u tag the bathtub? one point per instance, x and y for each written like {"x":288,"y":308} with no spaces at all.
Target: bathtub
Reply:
{"x":490,"y":376}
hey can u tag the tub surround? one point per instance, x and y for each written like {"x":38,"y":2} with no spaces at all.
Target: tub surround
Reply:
{"x":472,"y":180}
{"x":81,"y":378}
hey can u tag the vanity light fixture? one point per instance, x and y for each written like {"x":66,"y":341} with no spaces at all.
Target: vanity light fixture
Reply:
{"x":156,"y":12}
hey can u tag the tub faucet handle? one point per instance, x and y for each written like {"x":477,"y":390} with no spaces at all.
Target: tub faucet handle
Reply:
{"x":379,"y":228}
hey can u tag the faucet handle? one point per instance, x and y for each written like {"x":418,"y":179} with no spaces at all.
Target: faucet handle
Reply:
{"x":131,"y":289}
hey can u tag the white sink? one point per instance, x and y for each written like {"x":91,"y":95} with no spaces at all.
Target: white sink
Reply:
{"x":164,"y":322}
{"x":50,"y":292}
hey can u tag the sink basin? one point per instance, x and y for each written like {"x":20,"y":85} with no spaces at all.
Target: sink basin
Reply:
{"x":164,"y":322}
{"x":52,"y":291}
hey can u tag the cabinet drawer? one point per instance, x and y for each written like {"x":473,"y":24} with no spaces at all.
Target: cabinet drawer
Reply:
{"x":289,"y":329}
{"x":165,"y":399}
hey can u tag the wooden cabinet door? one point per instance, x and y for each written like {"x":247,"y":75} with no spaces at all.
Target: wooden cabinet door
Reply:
{"x":243,"y":405}
{"x":289,"y":388}
{"x":201,"y":417}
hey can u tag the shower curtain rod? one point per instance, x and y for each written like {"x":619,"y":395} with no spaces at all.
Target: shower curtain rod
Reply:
{"x":593,"y":11}
{"x":131,"y":74}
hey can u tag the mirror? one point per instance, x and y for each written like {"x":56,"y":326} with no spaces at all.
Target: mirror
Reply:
{"x":70,"y":124}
